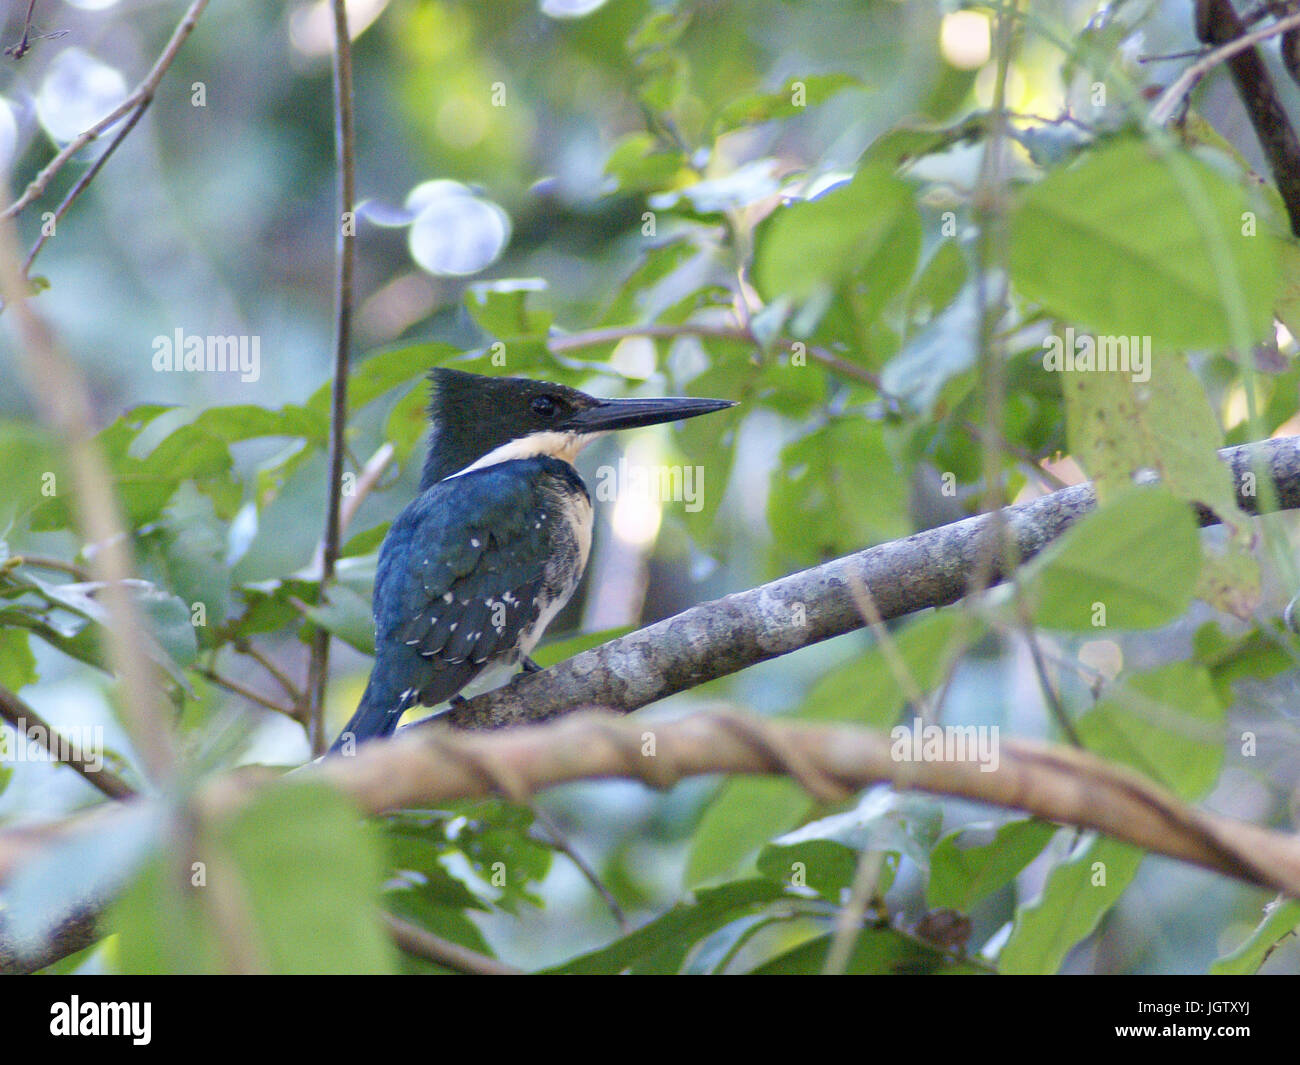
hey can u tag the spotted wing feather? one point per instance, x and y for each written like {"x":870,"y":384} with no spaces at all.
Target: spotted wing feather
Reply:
{"x":465,"y":571}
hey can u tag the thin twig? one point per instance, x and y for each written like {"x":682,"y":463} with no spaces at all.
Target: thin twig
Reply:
{"x":345,"y":149}
{"x":848,"y":922}
{"x":424,"y":944}
{"x":144,"y":91}
{"x":991,"y":252}
{"x":17,"y":51}
{"x":866,"y":604}
{"x":590,"y":338}
{"x":366,"y":482}
{"x":369,"y":477}
{"x":561,"y":843}
{"x":1050,"y":694}
{"x":84,"y":181}
{"x":247,"y":693}
{"x":22,"y":717}
{"x":1169,"y":100}
{"x":58,"y":565}
{"x":245,"y":647}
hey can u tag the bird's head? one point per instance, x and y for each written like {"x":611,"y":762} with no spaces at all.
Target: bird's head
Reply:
{"x":477,"y":420}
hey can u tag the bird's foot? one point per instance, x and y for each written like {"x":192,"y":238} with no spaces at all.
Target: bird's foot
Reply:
{"x":456,"y":701}
{"x":529,"y":666}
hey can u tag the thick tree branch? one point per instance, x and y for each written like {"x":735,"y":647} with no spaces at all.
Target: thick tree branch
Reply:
{"x":73,"y":934}
{"x":1056,"y":783}
{"x":437,"y":765}
{"x":715,"y":639}
{"x":832,"y":762}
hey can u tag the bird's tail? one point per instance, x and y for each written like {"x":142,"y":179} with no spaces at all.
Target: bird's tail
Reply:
{"x":376,"y":716}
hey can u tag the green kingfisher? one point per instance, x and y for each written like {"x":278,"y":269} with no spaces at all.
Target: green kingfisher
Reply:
{"x":475,"y":568}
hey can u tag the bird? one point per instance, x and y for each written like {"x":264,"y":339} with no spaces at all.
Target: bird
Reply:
{"x":479,"y":563}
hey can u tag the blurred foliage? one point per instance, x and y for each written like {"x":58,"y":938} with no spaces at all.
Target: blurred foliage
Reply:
{"x":792,"y":199}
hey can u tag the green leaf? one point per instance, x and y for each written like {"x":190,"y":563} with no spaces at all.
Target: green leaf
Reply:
{"x":837,"y":490}
{"x":366,"y":542}
{"x":868,"y":690}
{"x":659,"y":30}
{"x":1167,"y":724}
{"x":172,"y":643}
{"x":942,"y":350}
{"x":300,"y":869}
{"x":876,"y":951}
{"x":637,"y":164}
{"x":1120,"y":244}
{"x":963,"y":872}
{"x":492,"y":837}
{"x":312,"y":873}
{"x":34,"y":467}
{"x":1076,"y":896}
{"x":745,"y":814}
{"x":867,"y":229}
{"x":17,"y":663}
{"x":248,"y":422}
{"x":501,"y":308}
{"x":1254,"y":654}
{"x":381,"y":373}
{"x":824,"y":854}
{"x":408,"y":423}
{"x":941,"y":281}
{"x":168,"y":618}
{"x":1288,"y":300}
{"x":1132,"y":564}
{"x":189,"y":547}
{"x":347,"y":615}
{"x":422,"y":874}
{"x":558,"y":650}
{"x":824,"y":865}
{"x":667,"y":938}
{"x":794,"y":98}
{"x":1281,"y":919}
{"x":1119,"y":427}
{"x":72,"y":635}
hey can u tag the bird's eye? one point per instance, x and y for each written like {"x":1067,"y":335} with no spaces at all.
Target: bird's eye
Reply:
{"x":544,"y":406}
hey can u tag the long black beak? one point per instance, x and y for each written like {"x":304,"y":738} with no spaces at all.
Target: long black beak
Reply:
{"x":610,"y":414}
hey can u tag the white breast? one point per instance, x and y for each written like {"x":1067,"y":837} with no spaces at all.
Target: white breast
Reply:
{"x":564,"y":584}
